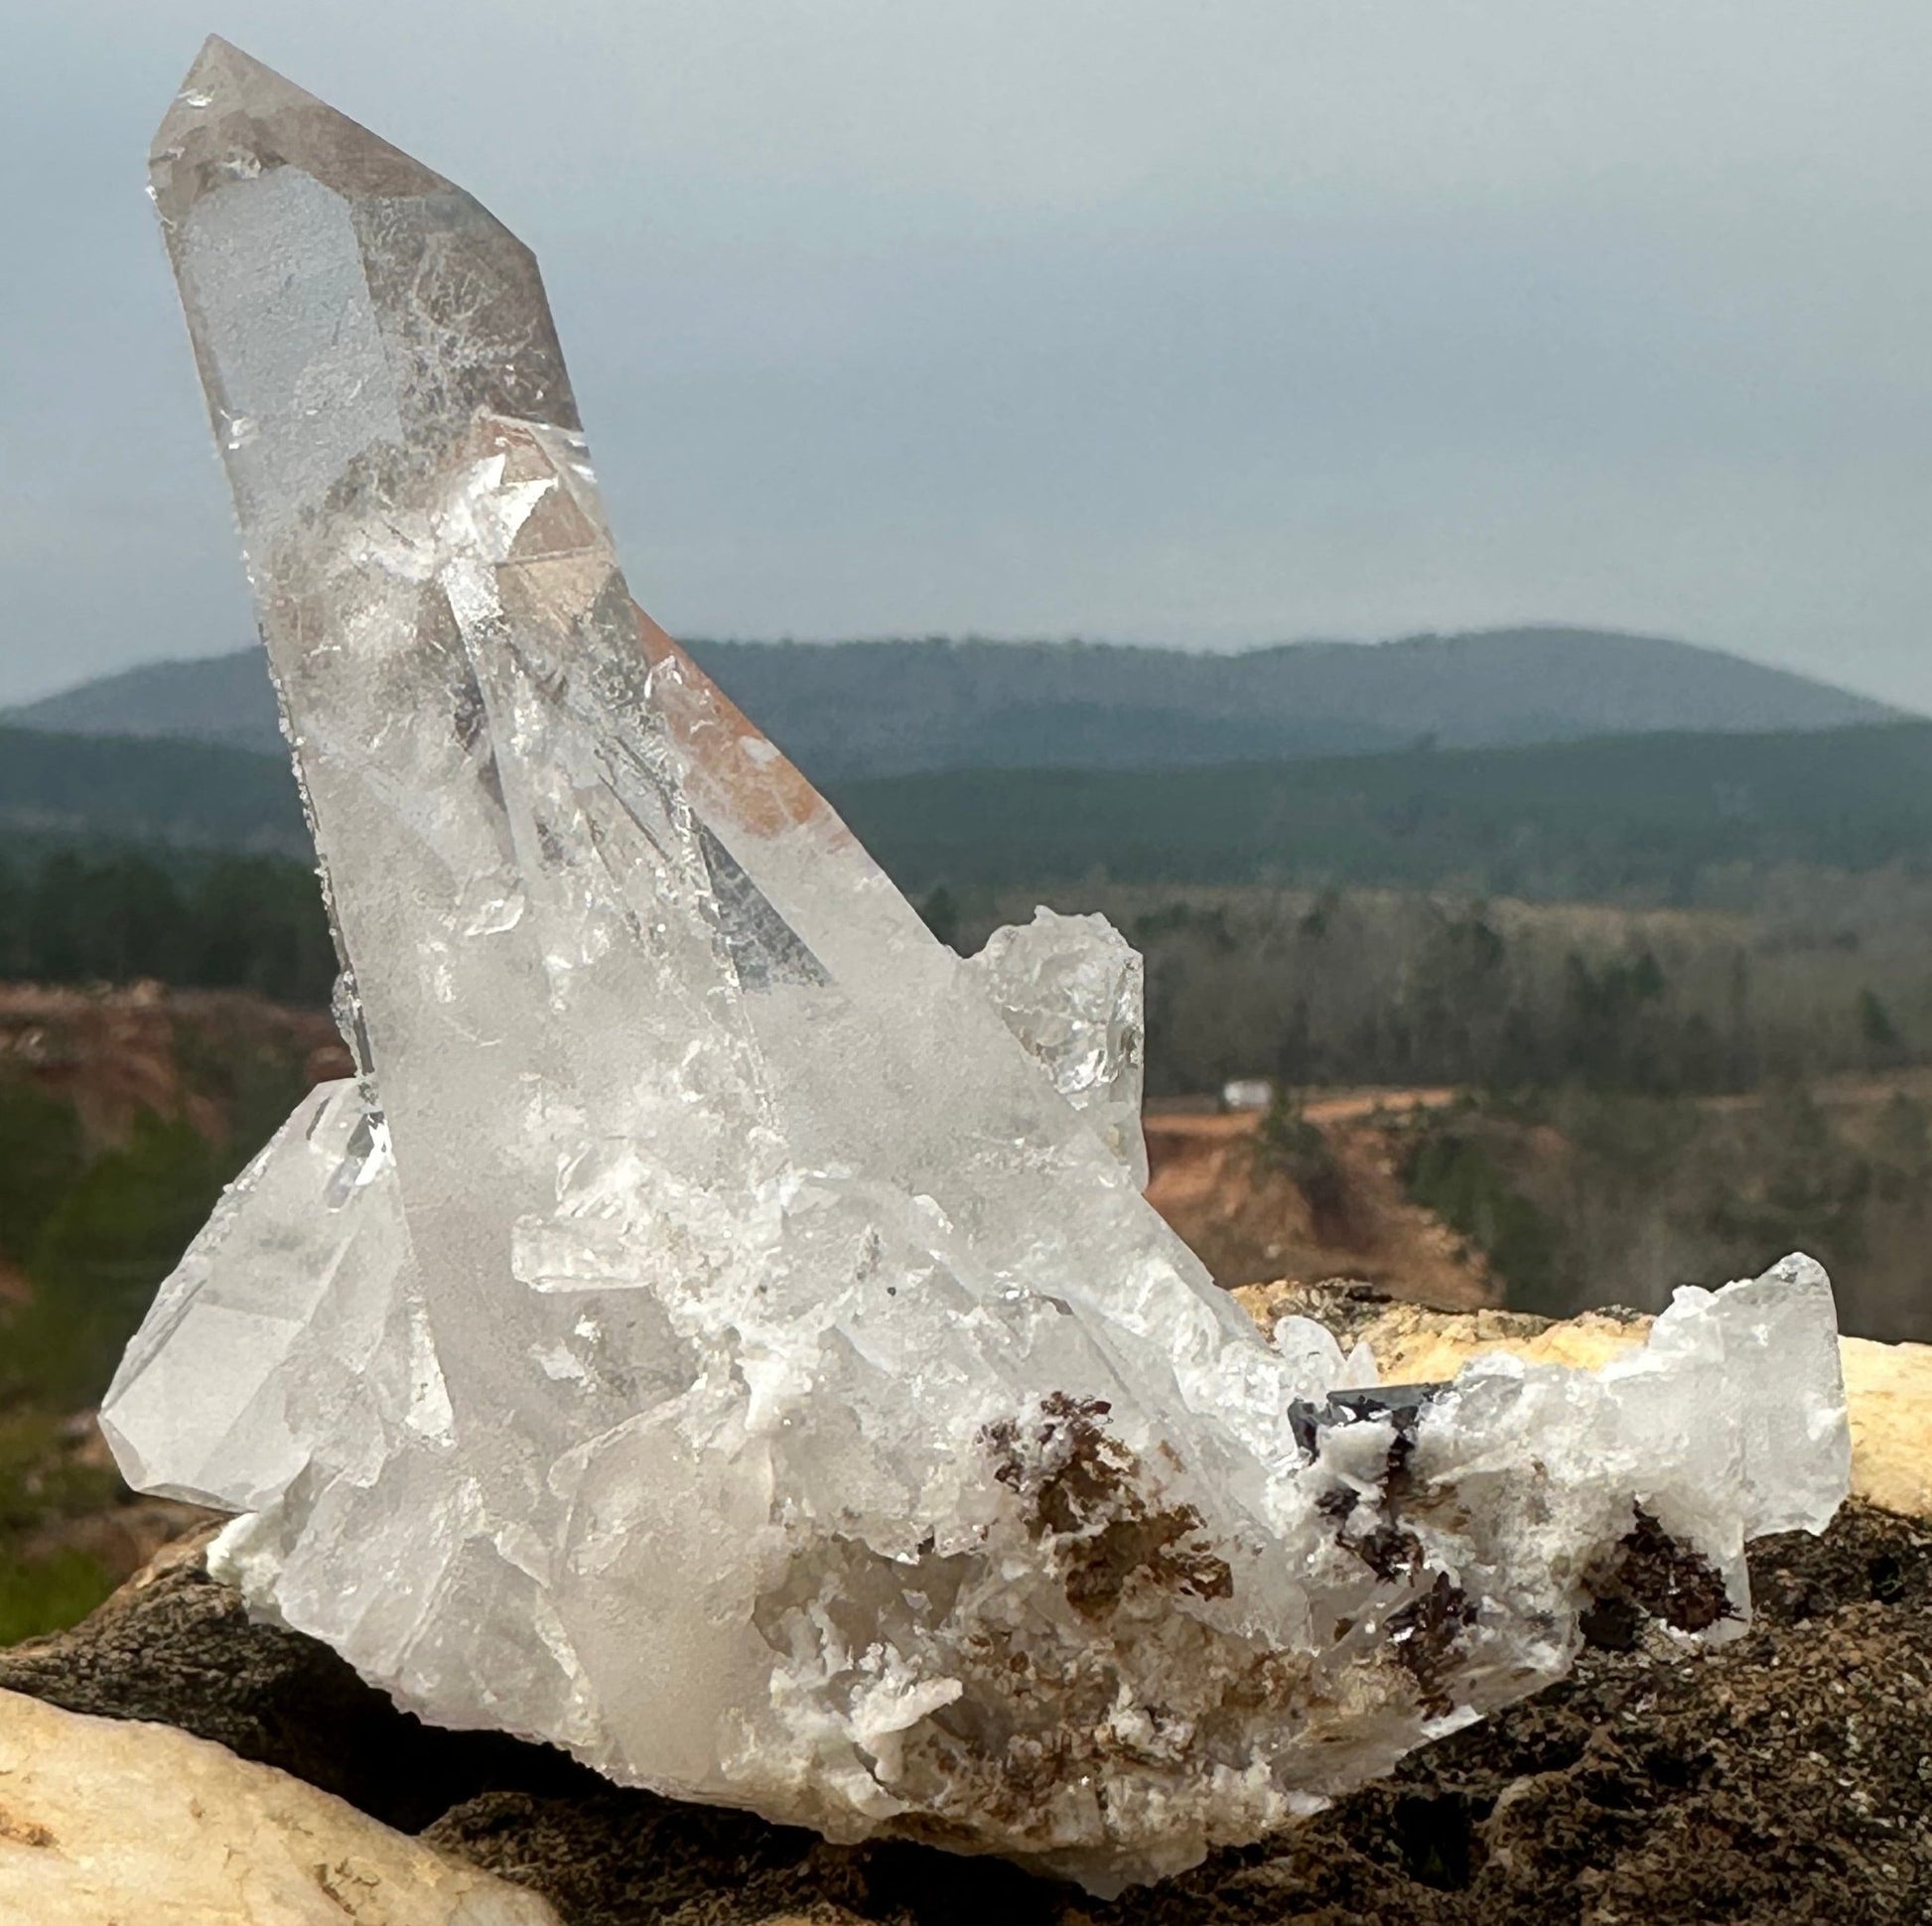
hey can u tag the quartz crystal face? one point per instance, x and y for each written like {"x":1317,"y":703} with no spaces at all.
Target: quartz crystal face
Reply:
{"x":719,"y":1330}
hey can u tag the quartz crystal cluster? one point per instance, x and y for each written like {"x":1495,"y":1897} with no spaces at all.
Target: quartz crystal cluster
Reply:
{"x":720,"y":1331}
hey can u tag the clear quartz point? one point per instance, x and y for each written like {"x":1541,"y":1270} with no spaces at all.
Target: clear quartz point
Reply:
{"x":720,"y":1331}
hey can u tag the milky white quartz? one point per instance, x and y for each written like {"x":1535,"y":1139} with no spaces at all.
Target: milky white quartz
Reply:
{"x":720,"y":1331}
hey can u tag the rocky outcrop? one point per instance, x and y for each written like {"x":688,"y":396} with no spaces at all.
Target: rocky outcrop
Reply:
{"x":1782,"y":1777}
{"x":174,"y":1647}
{"x":108,"y":1820}
{"x":1778,"y":1779}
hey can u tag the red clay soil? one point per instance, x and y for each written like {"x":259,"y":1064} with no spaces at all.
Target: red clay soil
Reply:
{"x":14,"y":1287}
{"x":116,"y":1052}
{"x":1252,"y":1224}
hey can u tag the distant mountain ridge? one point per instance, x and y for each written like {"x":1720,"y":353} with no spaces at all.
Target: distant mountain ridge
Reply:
{"x":849,"y":710}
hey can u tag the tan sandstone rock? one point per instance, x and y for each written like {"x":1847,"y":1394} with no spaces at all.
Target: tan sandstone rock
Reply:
{"x":1889,"y":1390}
{"x":1888,"y":1387}
{"x":110,"y":1823}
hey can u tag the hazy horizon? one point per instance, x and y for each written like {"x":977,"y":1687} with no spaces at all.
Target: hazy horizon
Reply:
{"x":1267,"y":322}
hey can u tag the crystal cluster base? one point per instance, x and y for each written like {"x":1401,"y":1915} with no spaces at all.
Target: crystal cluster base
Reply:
{"x":719,"y":1330}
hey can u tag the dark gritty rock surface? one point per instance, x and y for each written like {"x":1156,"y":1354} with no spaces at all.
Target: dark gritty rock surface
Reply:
{"x":175,"y":1647}
{"x":1785,"y":1777}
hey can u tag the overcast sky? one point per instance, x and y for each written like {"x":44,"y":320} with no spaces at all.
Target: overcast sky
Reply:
{"x":1211,"y":321}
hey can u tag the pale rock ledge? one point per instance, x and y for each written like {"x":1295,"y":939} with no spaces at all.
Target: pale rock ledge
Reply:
{"x":104,"y":1821}
{"x":1887,"y":1387}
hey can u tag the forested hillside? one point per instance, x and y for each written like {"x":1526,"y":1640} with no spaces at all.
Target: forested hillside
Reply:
{"x":892,"y":708}
{"x":1659,"y":818}
{"x":184,"y":794}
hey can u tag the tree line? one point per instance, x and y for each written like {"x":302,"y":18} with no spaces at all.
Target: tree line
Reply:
{"x":1369,"y":987}
{"x":1329,"y":987}
{"x":1581,"y":1197}
{"x":233,"y":923}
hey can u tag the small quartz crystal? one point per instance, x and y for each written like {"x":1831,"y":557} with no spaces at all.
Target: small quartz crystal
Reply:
{"x":719,"y":1330}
